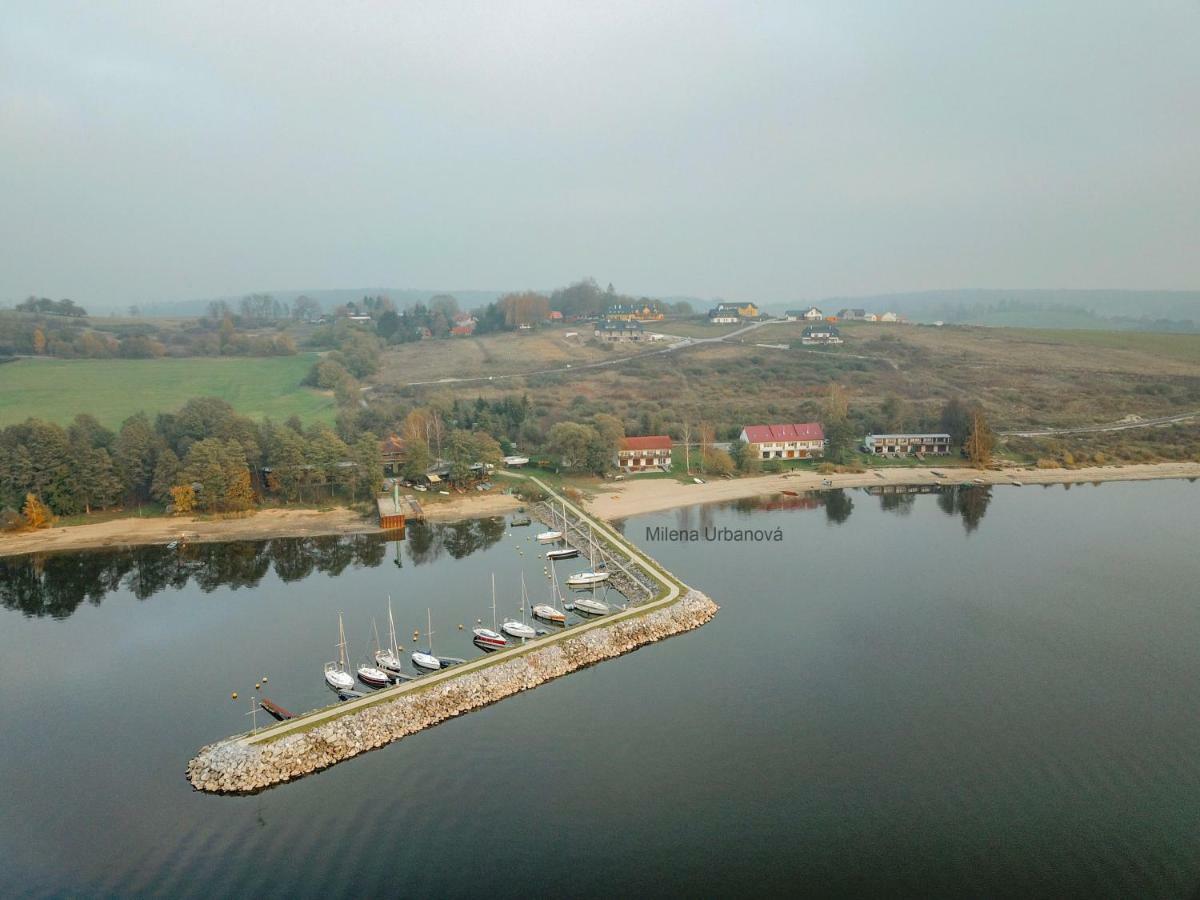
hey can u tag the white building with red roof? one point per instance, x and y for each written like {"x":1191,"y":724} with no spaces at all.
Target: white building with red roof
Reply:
{"x":647,"y":453}
{"x":804,"y":440}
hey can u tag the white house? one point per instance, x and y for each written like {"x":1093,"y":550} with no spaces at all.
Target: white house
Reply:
{"x":889,"y":317}
{"x":812,"y":314}
{"x":821,"y":334}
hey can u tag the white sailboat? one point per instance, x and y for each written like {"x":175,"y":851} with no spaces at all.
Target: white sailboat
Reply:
{"x":594,"y":576}
{"x":337,"y":674}
{"x":549,"y":612}
{"x":388,"y":658}
{"x":591,"y":606}
{"x":490,"y":638}
{"x":512,"y":626}
{"x":549,"y":537}
{"x":426,"y":659}
{"x":373,"y":675}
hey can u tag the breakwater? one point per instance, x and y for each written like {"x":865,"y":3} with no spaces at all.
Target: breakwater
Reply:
{"x":247,"y":764}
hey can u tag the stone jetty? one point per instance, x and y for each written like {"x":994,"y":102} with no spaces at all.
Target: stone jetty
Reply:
{"x":244,"y":765}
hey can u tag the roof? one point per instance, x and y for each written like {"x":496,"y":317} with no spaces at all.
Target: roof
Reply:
{"x":804,"y":431}
{"x":619,"y":325}
{"x":907,"y":436}
{"x":647,"y":442}
{"x":820,"y":329}
{"x":391,"y":444}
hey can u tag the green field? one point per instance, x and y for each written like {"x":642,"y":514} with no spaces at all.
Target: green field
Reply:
{"x":113,"y":389}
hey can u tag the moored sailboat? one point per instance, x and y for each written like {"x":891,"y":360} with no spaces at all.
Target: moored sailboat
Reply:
{"x":564,"y":553}
{"x":337,"y":674}
{"x":512,"y":626}
{"x":373,"y":675}
{"x":490,"y":638}
{"x":549,"y":537}
{"x":426,"y":659}
{"x":549,"y":612}
{"x":388,"y":658}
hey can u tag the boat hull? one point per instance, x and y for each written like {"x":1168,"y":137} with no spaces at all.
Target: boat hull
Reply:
{"x":489,"y":638}
{"x":549,"y":537}
{"x":592,"y":607}
{"x":550,"y":614}
{"x":569,"y":553}
{"x":374,"y":677}
{"x":425,"y":661}
{"x":518,"y":630}
{"x":587,"y":579}
{"x":339,"y":680}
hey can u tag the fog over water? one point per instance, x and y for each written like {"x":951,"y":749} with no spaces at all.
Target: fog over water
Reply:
{"x":159,"y":151}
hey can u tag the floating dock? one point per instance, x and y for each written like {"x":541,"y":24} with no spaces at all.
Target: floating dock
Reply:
{"x":270,"y":706}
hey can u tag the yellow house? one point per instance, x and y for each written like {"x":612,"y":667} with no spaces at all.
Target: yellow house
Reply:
{"x":634,"y":312}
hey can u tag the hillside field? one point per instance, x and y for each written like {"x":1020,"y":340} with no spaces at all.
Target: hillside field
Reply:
{"x":113,"y":389}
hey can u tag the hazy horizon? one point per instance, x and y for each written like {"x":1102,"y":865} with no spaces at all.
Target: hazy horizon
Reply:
{"x":157,"y":153}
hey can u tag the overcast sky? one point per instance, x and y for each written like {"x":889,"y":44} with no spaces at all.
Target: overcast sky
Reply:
{"x":156,"y":151}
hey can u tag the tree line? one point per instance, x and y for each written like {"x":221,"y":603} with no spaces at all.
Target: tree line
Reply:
{"x":203,"y":457}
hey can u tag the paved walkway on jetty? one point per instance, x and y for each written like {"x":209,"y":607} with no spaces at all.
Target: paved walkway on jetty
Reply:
{"x":673,"y":588}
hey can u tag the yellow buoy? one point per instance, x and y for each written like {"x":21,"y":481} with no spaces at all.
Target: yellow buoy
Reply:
{"x":460,"y":628}
{"x":257,"y":686}
{"x":264,"y":679}
{"x":233,"y":696}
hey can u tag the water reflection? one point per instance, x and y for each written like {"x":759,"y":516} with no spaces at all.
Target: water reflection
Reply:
{"x":967,"y":500}
{"x":56,"y":584}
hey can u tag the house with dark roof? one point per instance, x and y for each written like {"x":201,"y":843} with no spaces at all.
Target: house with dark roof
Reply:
{"x":804,"y":440}
{"x":645,"y":311}
{"x":614,"y":330}
{"x":852,"y":315}
{"x":647,"y":453}
{"x":821,"y":334}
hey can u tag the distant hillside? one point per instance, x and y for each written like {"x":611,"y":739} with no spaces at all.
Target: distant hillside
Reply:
{"x":1110,"y":310}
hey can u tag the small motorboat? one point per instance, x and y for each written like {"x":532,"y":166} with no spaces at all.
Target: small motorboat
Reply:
{"x":349,"y":694}
{"x":591,"y":606}
{"x":549,"y":537}
{"x":516,"y":521}
{"x":584,"y":580}
{"x":565,"y":553}
{"x":373,"y":676}
{"x":174,"y":545}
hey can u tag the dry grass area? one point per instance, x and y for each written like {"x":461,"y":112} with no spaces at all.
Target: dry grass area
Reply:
{"x":495,"y":354}
{"x":1023,"y":378}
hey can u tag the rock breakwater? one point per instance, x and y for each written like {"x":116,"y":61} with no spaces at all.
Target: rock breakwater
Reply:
{"x":238,"y":766}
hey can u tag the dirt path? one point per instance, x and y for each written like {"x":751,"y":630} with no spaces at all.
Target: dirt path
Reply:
{"x":635,"y":497}
{"x":267,"y":523}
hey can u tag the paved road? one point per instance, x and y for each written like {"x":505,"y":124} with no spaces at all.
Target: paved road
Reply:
{"x":1126,"y":424}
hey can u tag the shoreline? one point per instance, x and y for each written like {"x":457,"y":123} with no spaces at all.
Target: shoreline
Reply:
{"x":635,"y":498}
{"x":630,"y":498}
{"x":275,"y":522}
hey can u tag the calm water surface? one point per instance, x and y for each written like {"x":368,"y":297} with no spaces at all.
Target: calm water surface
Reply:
{"x":969,"y":693}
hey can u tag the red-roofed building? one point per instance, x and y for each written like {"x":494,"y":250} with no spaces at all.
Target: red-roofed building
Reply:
{"x":391,"y":454}
{"x":644,"y":454}
{"x":801,"y":441}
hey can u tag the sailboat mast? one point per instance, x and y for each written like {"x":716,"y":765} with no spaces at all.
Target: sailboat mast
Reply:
{"x":429,"y":624}
{"x":493,"y":601}
{"x":392,"y":631}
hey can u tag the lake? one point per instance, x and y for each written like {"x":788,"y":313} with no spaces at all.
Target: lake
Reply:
{"x":978,"y":691}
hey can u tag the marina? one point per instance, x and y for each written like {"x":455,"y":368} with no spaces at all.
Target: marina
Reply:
{"x":868,"y":718}
{"x":310,"y":742}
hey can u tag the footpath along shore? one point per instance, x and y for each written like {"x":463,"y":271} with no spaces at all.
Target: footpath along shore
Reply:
{"x":264,"y":524}
{"x":635,"y":497}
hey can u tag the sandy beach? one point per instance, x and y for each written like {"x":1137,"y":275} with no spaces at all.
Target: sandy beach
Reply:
{"x":633,"y":497}
{"x":267,"y":523}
